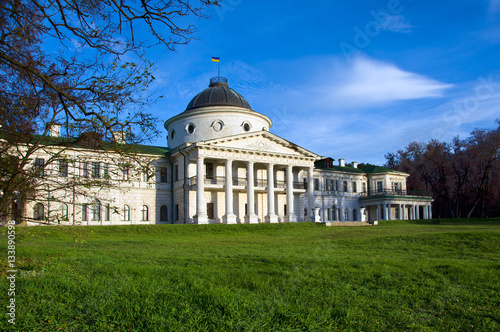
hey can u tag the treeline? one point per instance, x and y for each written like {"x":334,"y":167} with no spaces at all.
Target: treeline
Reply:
{"x":463,"y":176}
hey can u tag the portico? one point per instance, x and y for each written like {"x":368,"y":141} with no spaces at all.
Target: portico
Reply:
{"x":256,"y":186}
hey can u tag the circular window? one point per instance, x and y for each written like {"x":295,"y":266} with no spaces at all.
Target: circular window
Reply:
{"x":172,"y":134}
{"x":218,"y":125}
{"x":246,"y":127}
{"x":190,"y":128}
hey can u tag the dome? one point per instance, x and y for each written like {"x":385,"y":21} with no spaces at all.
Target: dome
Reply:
{"x":218,"y":93}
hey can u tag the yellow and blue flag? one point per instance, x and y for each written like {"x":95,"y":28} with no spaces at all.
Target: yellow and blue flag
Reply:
{"x":216,"y":59}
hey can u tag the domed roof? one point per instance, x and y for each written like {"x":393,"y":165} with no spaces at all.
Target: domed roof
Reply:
{"x":218,"y":93}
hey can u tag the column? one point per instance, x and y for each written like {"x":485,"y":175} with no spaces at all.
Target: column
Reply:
{"x":389,"y":212}
{"x":385,"y":212}
{"x":251,"y":217}
{"x":310,"y":195}
{"x":290,"y":217}
{"x":400,"y":217}
{"x":271,"y":216}
{"x":426,"y":211}
{"x":404,"y":212}
{"x":379,"y":208}
{"x":201,"y":212}
{"x":362,"y":214}
{"x":417,"y":212}
{"x":413,"y":212}
{"x":430,"y":210}
{"x":229,"y":217}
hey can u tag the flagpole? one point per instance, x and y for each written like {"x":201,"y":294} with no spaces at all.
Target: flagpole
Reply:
{"x":218,"y":69}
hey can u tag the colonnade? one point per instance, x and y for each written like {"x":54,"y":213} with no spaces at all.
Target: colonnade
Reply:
{"x":251,"y":217}
{"x":405,"y":211}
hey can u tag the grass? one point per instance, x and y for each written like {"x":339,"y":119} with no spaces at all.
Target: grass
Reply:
{"x":414,"y":276}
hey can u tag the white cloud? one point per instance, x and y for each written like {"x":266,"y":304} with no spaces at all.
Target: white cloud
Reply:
{"x":394,"y":23}
{"x":373,"y":82}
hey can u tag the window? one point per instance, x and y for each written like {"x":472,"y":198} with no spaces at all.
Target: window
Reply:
{"x":163,"y":174}
{"x":39,"y":166}
{"x":305,"y":212}
{"x":379,"y":186}
{"x":329,"y":213}
{"x":163,"y":213}
{"x":176,"y":212}
{"x":209,"y":170}
{"x":38,"y":211}
{"x":246,"y":209}
{"x":84,"y":212}
{"x":218,"y":125}
{"x":246,"y":126}
{"x":285,"y":210}
{"x":334,"y":212}
{"x":172,"y":134}
{"x":126,"y":213}
{"x":345,"y":186}
{"x":63,"y":168}
{"x":190,"y":128}
{"x":95,"y":170}
{"x":354,"y":216}
{"x":63,"y":210}
{"x":364,"y":186}
{"x":145,"y":175}
{"x":354,"y":187}
{"x":176,"y":173}
{"x":105,"y":171}
{"x":316,"y":184}
{"x":106,"y":212}
{"x":85,"y":170}
{"x":125,"y":173}
{"x":96,"y":210}
{"x":145,"y":213}
{"x":210,"y":211}
{"x":346,"y":214}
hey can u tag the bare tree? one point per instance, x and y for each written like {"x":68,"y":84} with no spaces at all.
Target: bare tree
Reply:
{"x":463,"y":176}
{"x":82,"y":64}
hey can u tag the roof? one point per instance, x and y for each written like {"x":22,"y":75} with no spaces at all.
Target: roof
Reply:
{"x":326,"y":164}
{"x":84,"y":142}
{"x":320,"y":164}
{"x":218,"y":93}
{"x":379,"y":169}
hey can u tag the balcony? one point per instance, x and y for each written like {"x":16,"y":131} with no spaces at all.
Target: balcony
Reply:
{"x":242,"y":182}
{"x":392,"y":192}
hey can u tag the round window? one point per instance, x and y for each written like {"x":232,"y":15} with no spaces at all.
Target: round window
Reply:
{"x":190,"y":128}
{"x":218,"y":125}
{"x":246,"y":127}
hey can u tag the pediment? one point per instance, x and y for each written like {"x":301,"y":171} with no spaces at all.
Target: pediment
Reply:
{"x":262,"y":142}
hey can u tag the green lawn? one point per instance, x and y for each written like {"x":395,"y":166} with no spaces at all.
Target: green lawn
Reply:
{"x":268,"y":277}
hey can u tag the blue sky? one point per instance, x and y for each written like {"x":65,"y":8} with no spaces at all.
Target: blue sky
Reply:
{"x":347,"y":79}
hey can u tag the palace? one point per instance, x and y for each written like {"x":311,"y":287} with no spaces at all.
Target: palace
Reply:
{"x":222,"y":165}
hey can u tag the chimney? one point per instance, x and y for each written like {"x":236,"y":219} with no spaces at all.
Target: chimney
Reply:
{"x":355,"y":164}
{"x":119,"y":137}
{"x":55,"y":130}
{"x":341,"y":162}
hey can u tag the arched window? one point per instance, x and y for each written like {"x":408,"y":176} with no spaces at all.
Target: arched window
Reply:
{"x":126,"y":212}
{"x":84,"y":212}
{"x":354,"y":214}
{"x":163,"y":213}
{"x":38,"y":211}
{"x":145,"y":213}
{"x":63,"y":210}
{"x":96,"y":210}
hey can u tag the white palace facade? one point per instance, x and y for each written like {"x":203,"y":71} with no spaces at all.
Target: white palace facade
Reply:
{"x":222,"y":165}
